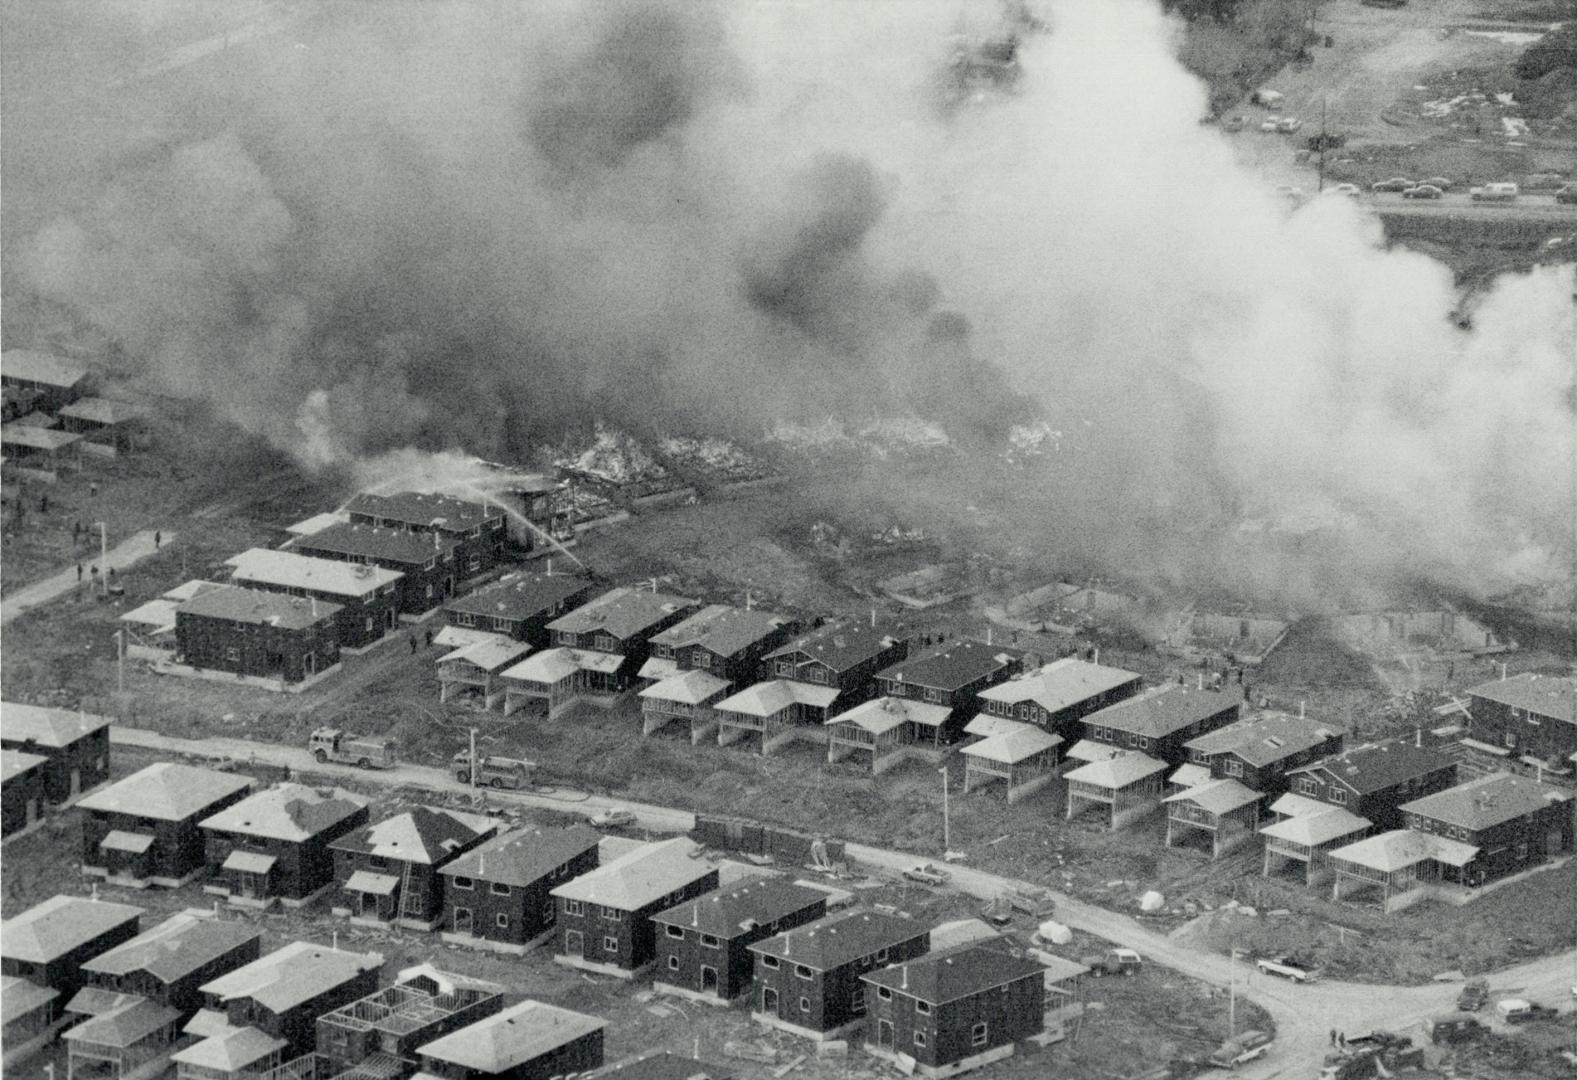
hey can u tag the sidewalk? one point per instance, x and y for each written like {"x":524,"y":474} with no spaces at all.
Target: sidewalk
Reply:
{"x":127,"y":553}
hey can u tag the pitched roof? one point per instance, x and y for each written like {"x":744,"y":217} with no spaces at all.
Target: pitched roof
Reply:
{"x":425,"y":510}
{"x":175,"y":948}
{"x":291,"y":975}
{"x":424,"y":835}
{"x":396,"y":545}
{"x":316,"y":523}
{"x":524,"y":855}
{"x":1487,"y":801}
{"x":14,"y":763}
{"x":33,"y":365}
{"x":1554,"y":696}
{"x":1264,"y":738}
{"x":520,"y":596}
{"x":691,"y":687}
{"x":957,"y":973}
{"x":885,"y":713}
{"x":125,"y":1025}
{"x":622,"y":612}
{"x":1019,"y":743}
{"x":841,"y":938}
{"x":1377,"y":766}
{"x":54,"y":728}
{"x":1299,"y":806}
{"x":39,"y":438}
{"x":664,"y":1065}
{"x":517,"y":1035}
{"x":50,"y":930}
{"x":289,"y":570}
{"x":454,"y":637}
{"x":18,"y":997}
{"x":952,"y":665}
{"x":767,"y":698}
{"x":737,"y":909}
{"x":292,"y":812}
{"x":1217,"y":796}
{"x":1162,"y":710}
{"x":721,"y":629}
{"x":167,"y":791}
{"x":1401,"y":848}
{"x":1117,"y":771}
{"x":491,"y":655}
{"x":553,"y":665}
{"x":1060,"y":684}
{"x":1316,"y":830}
{"x":259,"y":606}
{"x":230,"y":1050}
{"x":97,"y":410}
{"x":1190,"y":775}
{"x":1090,"y":750}
{"x":639,"y":877}
{"x":840,"y":646}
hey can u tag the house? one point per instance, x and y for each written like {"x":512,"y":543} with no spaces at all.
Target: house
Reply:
{"x":40,"y":453}
{"x":257,"y":634}
{"x":479,"y":666}
{"x":703,"y":945}
{"x":50,"y":381}
{"x":665,"y":1065}
{"x":956,"y":1009}
{"x":143,"y":830}
{"x":368,"y":596}
{"x":889,"y":729}
{"x":1022,"y":755}
{"x":264,"y":1016}
{"x":1056,"y":696}
{"x":275,"y":845}
{"x":521,"y":605}
{"x":1162,"y":720}
{"x":128,"y":1039}
{"x":498,"y":895}
{"x":1225,"y":811}
{"x":1128,"y":784}
{"x":381,"y":1034}
{"x":1534,"y":717}
{"x":845,"y":656}
{"x":426,"y":562}
{"x":22,"y":790}
{"x":774,"y":713}
{"x":1514,"y":822}
{"x":690,"y":696}
{"x":1306,"y":832}
{"x":605,"y":915}
{"x":1374,"y":780}
{"x":477,"y":528}
{"x":807,"y":980}
{"x":48,"y":943}
{"x":109,"y":428}
{"x":1260,"y":750}
{"x":953,"y":674}
{"x":528,"y":1041}
{"x":1403,"y":865}
{"x":149,"y":628}
{"x":388,"y":872}
{"x":724,"y":641}
{"x":29,"y":1015}
{"x":76,"y":744}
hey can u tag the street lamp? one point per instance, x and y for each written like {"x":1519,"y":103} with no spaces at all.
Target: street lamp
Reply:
{"x":947,"y":830}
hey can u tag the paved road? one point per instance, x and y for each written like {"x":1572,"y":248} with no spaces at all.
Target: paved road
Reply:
{"x":132,"y":550}
{"x":1526,"y":208}
{"x":1304,"y":1015}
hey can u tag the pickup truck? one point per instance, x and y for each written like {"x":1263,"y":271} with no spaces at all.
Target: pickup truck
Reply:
{"x":1235,"y":1051}
{"x":1288,"y":967}
{"x":1494,"y":193}
{"x":1474,"y":995}
{"x":362,"y":751}
{"x":493,"y":771}
{"x":928,"y":873}
{"x":1113,"y":962}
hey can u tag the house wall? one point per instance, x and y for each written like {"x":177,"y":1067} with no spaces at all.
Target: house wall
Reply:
{"x":1271,"y":779}
{"x":297,"y":1025}
{"x":302,"y":868}
{"x":1507,"y":848}
{"x":177,"y":847}
{"x":50,"y":397}
{"x":1523,"y":732}
{"x":423,"y":884}
{"x":1010,"y":1013}
{"x":64,"y":972}
{"x":830,"y":999}
{"x":730,"y":957}
{"x":532,"y":629}
{"x":382,"y":607}
{"x":183,"y":993}
{"x":421,"y":589}
{"x":634,"y":931}
{"x":259,"y":649}
{"x":576,"y":1056}
{"x":476,"y":550}
{"x":635,"y":649}
{"x":1380,"y":807}
{"x":856,"y":684}
{"x":89,"y":756}
{"x":1168,"y":748}
{"x":529,"y":910}
{"x":964,"y":702}
{"x":23,"y":799}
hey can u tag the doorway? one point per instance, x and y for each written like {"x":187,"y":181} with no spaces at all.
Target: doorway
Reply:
{"x":769,"y":1000}
{"x":884,"y":1034}
{"x":463,"y":920}
{"x":708,"y":980}
{"x":575,"y":943}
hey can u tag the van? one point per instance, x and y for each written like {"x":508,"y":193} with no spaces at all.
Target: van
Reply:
{"x":1454,"y":1028}
{"x":1514,"y":1010}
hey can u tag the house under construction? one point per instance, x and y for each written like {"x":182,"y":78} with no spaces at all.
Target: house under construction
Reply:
{"x":376,"y":1037}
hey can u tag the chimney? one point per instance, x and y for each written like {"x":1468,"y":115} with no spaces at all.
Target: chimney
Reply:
{"x":988,"y":635}
{"x":1097,"y":658}
{"x":1300,"y":710}
{"x":1201,"y":680}
{"x":550,"y":566}
{"x":1418,"y":736}
{"x":903,"y":973}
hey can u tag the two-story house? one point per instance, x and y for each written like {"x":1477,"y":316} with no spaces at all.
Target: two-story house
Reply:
{"x":48,"y":943}
{"x":605,"y":916}
{"x":426,"y":562}
{"x":274,"y":845}
{"x":1056,"y":696}
{"x":498,"y":895}
{"x":1160,"y":721}
{"x":75,"y":746}
{"x":529,"y":1041}
{"x":1374,"y":780}
{"x":1513,"y":822}
{"x":478,"y":530}
{"x":844,"y":656}
{"x":21,"y":790}
{"x":1532,"y":716}
{"x":143,"y":830}
{"x":808,"y":979}
{"x":388,"y":871}
{"x":1258,"y":751}
{"x":367,"y":596}
{"x":952,"y":675}
{"x":521,"y":605}
{"x":254,"y":633}
{"x":703,"y":945}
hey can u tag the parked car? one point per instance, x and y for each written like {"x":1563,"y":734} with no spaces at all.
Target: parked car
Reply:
{"x":1474,"y":995}
{"x":1233,"y":123}
{"x":1289,"y":125}
{"x":1268,"y":98}
{"x":1494,"y":193}
{"x":1423,"y":191}
{"x":1349,"y":190}
{"x":1454,"y":1028}
{"x":1270,"y":123}
{"x":1396,"y":183}
{"x":1520,"y":1011}
{"x":1235,"y":1051}
{"x":1438,"y":181}
{"x":1113,"y":962}
{"x":929,"y":873}
{"x":1566,"y":193}
{"x":1288,"y":967}
{"x":612,"y":818}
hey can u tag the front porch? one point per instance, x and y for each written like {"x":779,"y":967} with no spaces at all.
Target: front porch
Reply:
{"x":478,"y":668}
{"x":1309,"y":839}
{"x":246,"y":879}
{"x":885,"y":732}
{"x":1022,"y":755}
{"x":1401,"y":865}
{"x":1224,"y":810}
{"x":689,"y":696}
{"x":777,"y":713}
{"x":1125,"y":787}
{"x":131,"y":1041}
{"x":552,"y":682}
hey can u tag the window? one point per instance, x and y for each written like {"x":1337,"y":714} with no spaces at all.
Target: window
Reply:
{"x":933,"y":694}
{"x":919,"y":1038}
{"x":884,"y":993}
{"x":430,"y":564}
{"x":461,"y":618}
{"x":605,"y":642}
{"x":378,"y":862}
{"x":501,"y":921}
{"x":475,"y":562}
{"x":1522,"y":851}
{"x":675,"y":932}
{"x":804,"y":1004}
{"x":1144,"y":742}
{"x":881,"y":956}
{"x":701,"y":658}
{"x":1339,"y":796}
{"x":783,"y":667}
{"x":769,"y":962}
{"x":501,"y":624}
{"x":1308,"y":785}
{"x":498,"y":888}
{"x":1232,"y":767}
{"x":709,"y":941}
{"x":573,"y":907}
{"x":818,"y":675}
{"x":673,"y":963}
{"x":464,"y":883}
{"x":857,"y":999}
{"x":923,"y":1008}
{"x":475,"y":532}
{"x":232,"y":653}
{"x":610,"y":913}
{"x":802,"y":971}
{"x":429,"y":590}
{"x":610,"y":944}
{"x":369,"y":624}
{"x":548,"y":913}
{"x":977,"y":1035}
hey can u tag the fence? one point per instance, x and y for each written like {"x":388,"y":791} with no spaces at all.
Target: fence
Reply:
{"x":749,"y":838}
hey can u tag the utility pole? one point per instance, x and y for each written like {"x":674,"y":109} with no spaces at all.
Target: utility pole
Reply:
{"x":1232,"y":995}
{"x":473,"y":760}
{"x":104,"y":557}
{"x":947,"y":828}
{"x":120,"y":660}
{"x":1321,"y":186}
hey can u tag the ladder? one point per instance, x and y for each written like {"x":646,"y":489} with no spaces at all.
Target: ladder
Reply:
{"x":407,"y":901}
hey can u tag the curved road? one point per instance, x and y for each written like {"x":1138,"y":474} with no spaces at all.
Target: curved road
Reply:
{"x":1304,"y":1014}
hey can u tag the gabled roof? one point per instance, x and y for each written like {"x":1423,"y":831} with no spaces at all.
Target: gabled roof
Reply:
{"x":1190,"y":775}
{"x":125,"y":1025}
{"x":167,"y":791}
{"x":520,"y":596}
{"x":369,"y":541}
{"x":622,"y":612}
{"x":291,"y":975}
{"x":885,"y":713}
{"x":524,"y":856}
{"x":175,"y":948}
{"x":690,"y":687}
{"x":50,"y":930}
{"x":259,"y":606}
{"x":839,"y":646}
{"x":957,"y":973}
{"x":425,"y":510}
{"x":1401,"y":848}
{"x":768,"y":698}
{"x":425,"y":835}
{"x":664,"y":1065}
{"x":1553,"y":696}
{"x":492,"y":655}
{"x":230,"y":1050}
{"x":738,"y":909}
{"x":1217,"y":796}
{"x":1162,"y":710}
{"x":14,"y":763}
{"x":722,"y":630}
{"x":1117,"y":771}
{"x":18,"y":997}
{"x":1378,"y":766}
{"x":1487,"y":801}
{"x":54,"y":728}
{"x":1317,"y":830}
{"x":1090,"y":750}
{"x":952,"y":665}
{"x":639,"y":877}
{"x":1264,"y":738}
{"x":1020,"y":743}
{"x":289,"y":570}
{"x":32,"y":365}
{"x":1060,"y":684}
{"x":841,"y":938}
{"x":511,"y":1038}
{"x":291,"y":812}
{"x":553,"y":665}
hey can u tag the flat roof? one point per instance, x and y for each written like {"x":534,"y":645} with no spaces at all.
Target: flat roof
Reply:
{"x":258,"y":607}
{"x":34,"y":365}
{"x":1553,"y":696}
{"x":513,"y":1037}
{"x":952,"y":665}
{"x":1162,"y":710}
{"x":622,"y":612}
{"x":722,"y":629}
{"x":50,"y":930}
{"x":291,"y":975}
{"x":44,"y":726}
{"x":1487,"y":801}
{"x":289,"y":570}
{"x":524,"y":856}
{"x":841,"y":938}
{"x":290,"y":812}
{"x":167,"y":791}
{"x":963,"y":971}
{"x":639,"y":877}
{"x":1060,"y":684}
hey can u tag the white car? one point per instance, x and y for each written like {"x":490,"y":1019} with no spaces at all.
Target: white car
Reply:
{"x":1289,"y":124}
{"x":1349,"y":190}
{"x":612,"y":818}
{"x":1288,"y":967}
{"x":1270,"y":123}
{"x":929,"y":873}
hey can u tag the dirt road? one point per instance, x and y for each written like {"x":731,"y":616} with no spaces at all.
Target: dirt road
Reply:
{"x":1304,"y":1014}
{"x":135,"y":548}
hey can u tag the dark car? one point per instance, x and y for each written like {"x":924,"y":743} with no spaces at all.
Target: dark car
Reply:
{"x":1422,"y":191}
{"x":1567,"y":193}
{"x":1396,"y":183}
